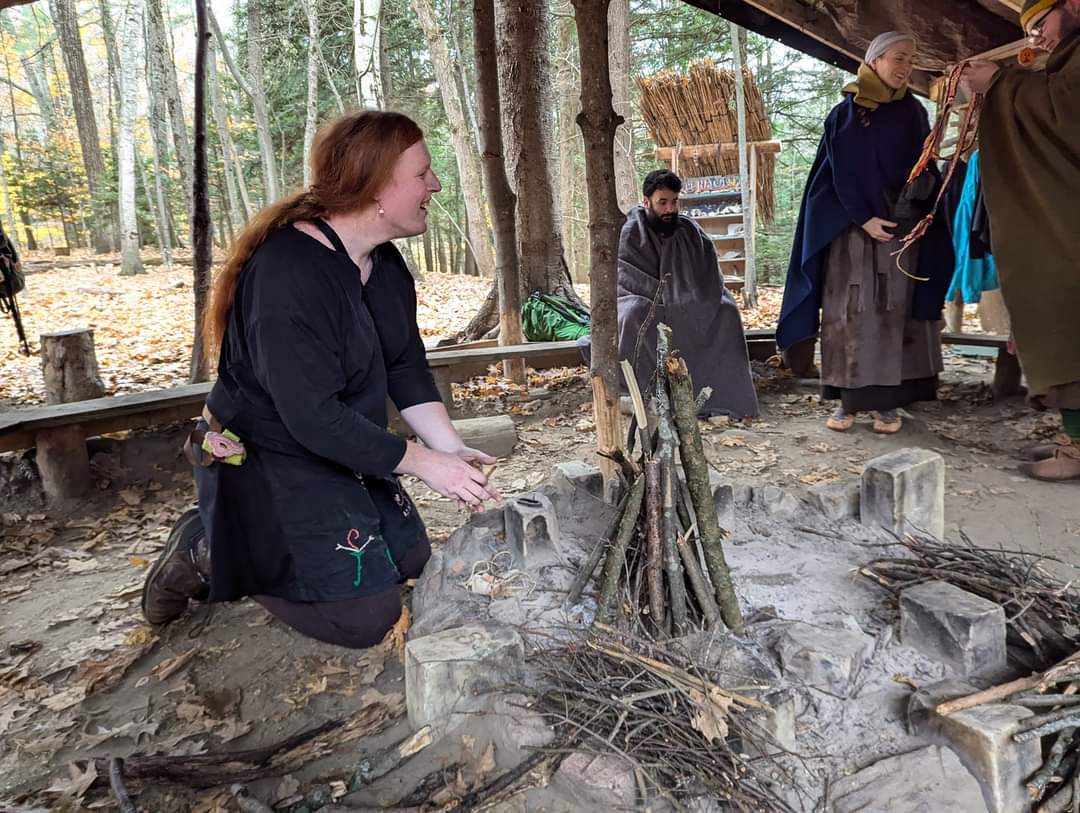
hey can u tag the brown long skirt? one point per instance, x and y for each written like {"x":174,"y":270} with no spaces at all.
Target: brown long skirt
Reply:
{"x":874,"y":356}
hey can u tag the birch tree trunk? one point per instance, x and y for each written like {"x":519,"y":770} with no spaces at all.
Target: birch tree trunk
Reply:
{"x":66,"y":21}
{"x":130,"y":263}
{"x":568,"y":89}
{"x":39,"y":86}
{"x":626,"y":184}
{"x":161,"y":60}
{"x":235,"y":185}
{"x":108,"y":33}
{"x":525,"y":84}
{"x":366,"y":16}
{"x":5,"y":200}
{"x":258,"y":101}
{"x":598,"y":122}
{"x":311,"y":119}
{"x":461,"y":135}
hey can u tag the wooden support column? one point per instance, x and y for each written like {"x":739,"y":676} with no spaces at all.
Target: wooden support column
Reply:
{"x":747,"y":196}
{"x":1007,"y":375}
{"x":70,"y":369}
{"x":598,"y":122}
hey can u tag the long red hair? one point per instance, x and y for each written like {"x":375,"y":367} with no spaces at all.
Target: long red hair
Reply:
{"x":352,"y":158}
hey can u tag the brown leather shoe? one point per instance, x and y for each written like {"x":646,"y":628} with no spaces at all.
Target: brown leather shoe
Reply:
{"x":1044,"y":451}
{"x":1062,"y":467}
{"x":181,"y":572}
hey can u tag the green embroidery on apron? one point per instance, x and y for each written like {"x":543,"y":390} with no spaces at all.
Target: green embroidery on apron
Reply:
{"x":358,"y":552}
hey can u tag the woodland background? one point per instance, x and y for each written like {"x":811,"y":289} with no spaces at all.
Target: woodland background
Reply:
{"x":90,"y":82}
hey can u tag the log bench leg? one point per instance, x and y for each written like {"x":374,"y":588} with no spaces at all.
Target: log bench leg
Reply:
{"x":1007,"y":375}
{"x":63,"y":462}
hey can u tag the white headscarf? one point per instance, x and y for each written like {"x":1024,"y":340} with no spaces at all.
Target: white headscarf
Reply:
{"x":883,"y":42}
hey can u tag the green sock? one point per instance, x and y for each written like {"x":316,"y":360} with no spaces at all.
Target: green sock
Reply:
{"x":1070,"y":422}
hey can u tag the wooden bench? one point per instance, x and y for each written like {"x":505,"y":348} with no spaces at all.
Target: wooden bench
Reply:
{"x":59,"y":431}
{"x":1007,"y":375}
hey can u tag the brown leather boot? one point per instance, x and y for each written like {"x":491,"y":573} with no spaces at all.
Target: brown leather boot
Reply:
{"x":182,"y":572}
{"x":1062,"y":467}
{"x":1044,"y":451}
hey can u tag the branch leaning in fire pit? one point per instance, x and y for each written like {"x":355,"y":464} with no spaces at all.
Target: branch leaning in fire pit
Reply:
{"x":651,"y":708}
{"x":1042,"y":612}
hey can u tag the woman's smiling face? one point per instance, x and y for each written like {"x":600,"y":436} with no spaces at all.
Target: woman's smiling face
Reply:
{"x":894,"y":67}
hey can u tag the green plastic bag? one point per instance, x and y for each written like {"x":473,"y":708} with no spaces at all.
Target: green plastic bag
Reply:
{"x":552,"y":318}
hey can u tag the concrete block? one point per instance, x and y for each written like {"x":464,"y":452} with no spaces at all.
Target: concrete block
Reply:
{"x":905,"y":491}
{"x":495,"y":435}
{"x":777,"y":501}
{"x":597,"y":780}
{"x":450,"y":671}
{"x":982,"y":738}
{"x":777,"y":727}
{"x":922,"y":704}
{"x":837,"y":500}
{"x":924,"y":781}
{"x":576,"y":474}
{"x":961,"y":630}
{"x":825,"y":658}
{"x":532,"y":530}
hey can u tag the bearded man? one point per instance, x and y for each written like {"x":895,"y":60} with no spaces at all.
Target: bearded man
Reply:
{"x":668,"y":272}
{"x":1030,"y":140}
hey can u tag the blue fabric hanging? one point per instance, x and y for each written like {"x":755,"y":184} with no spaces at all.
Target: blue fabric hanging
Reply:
{"x":972,"y":275}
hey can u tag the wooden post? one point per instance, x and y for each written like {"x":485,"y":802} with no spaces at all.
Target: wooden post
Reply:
{"x":69,"y":366}
{"x":502,"y":198}
{"x":598,"y":122}
{"x":747,"y":197}
{"x":202,"y":249}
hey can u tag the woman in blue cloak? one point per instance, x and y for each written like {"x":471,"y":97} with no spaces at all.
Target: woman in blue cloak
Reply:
{"x":880,"y":342}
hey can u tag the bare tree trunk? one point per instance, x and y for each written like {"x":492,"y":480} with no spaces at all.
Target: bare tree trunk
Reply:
{"x":66,"y":20}
{"x":130,"y":262}
{"x":159,"y":144}
{"x":568,"y":90}
{"x":258,"y":100}
{"x":201,"y":248}
{"x":619,"y":64}
{"x":429,"y":261}
{"x":161,"y":60}
{"x":525,"y":79}
{"x":366,"y":18}
{"x":461,"y":135}
{"x":233,"y":167}
{"x":311,"y":119}
{"x":386,"y":77}
{"x":598,"y":122}
{"x":5,"y":200}
{"x":39,"y":87}
{"x":108,"y":33}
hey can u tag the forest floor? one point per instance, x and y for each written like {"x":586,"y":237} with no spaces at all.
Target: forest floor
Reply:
{"x":81,"y":676}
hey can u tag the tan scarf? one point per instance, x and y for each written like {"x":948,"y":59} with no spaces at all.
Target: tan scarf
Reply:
{"x":870,"y":92}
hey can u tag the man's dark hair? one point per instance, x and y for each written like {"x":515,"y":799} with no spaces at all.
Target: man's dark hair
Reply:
{"x":661,"y":179}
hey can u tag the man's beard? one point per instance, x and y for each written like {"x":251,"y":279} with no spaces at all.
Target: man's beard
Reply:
{"x":665,"y":225}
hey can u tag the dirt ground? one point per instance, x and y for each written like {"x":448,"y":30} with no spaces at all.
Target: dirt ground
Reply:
{"x":82,"y":677}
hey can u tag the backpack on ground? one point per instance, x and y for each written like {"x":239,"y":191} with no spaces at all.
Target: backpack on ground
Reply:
{"x":553,"y":318}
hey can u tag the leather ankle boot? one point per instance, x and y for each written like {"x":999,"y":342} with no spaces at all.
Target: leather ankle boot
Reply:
{"x":181,"y":572}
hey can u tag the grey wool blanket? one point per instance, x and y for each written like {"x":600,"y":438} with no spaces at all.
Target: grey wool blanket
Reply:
{"x":675,"y":280}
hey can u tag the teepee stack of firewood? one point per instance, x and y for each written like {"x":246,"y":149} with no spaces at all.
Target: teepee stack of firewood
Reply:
{"x":663,"y":558}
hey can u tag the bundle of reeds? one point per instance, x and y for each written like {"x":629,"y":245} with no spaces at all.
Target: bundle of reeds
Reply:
{"x":699,"y":108}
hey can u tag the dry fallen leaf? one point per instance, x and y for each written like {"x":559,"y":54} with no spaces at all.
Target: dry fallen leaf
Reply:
{"x":170,"y":666}
{"x":130,"y":497}
{"x":65,"y":699}
{"x":78,"y":782}
{"x":710,"y":709}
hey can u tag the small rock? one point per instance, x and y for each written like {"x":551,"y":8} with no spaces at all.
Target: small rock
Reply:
{"x":827,"y":659}
{"x":837,"y":500}
{"x":923,"y":704}
{"x":778,"y":502}
{"x":520,"y":726}
{"x":924,"y":781}
{"x":576,"y":474}
{"x":598,"y":780}
{"x":508,"y":611}
{"x":742,"y":494}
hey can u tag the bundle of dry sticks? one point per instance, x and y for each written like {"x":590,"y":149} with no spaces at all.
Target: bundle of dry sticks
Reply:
{"x":666,"y":526}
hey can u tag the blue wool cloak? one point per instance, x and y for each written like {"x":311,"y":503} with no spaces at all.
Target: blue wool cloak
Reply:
{"x":862,"y":164}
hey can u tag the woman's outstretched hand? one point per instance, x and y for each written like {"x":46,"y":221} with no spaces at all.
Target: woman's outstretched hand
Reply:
{"x":876,"y":226}
{"x":454,"y":475}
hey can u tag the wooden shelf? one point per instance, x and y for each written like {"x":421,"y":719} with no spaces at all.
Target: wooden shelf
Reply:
{"x":711,"y":196}
{"x":735,"y":217}
{"x":726,"y":238}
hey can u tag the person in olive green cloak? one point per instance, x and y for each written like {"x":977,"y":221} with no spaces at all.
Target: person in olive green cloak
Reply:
{"x":1030,"y":140}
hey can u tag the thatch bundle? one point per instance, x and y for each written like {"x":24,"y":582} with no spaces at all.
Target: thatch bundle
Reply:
{"x":681,"y":110}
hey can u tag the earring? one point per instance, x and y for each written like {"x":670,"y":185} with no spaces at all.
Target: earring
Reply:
{"x":382,"y":211}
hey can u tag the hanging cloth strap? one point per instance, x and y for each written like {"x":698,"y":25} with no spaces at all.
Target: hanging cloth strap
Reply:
{"x":331,"y":235}
{"x":969,"y":131}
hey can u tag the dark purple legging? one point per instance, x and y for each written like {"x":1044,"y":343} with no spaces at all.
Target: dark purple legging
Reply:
{"x":355,"y":623}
